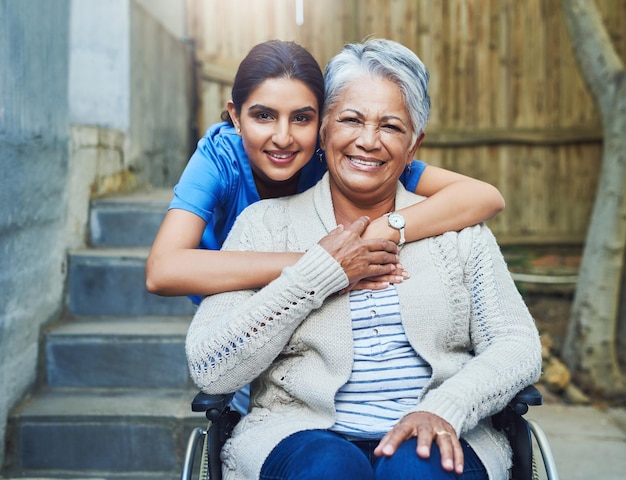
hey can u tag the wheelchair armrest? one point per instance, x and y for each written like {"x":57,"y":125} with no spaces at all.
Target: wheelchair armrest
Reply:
{"x":213,"y":405}
{"x":529,"y":396}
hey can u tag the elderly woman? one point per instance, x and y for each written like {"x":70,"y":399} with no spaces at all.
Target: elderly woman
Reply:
{"x":377,"y":384}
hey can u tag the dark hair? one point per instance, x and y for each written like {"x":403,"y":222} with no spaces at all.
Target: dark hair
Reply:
{"x":276,"y":59}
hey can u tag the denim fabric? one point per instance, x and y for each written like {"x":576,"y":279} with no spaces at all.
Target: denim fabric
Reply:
{"x":317,"y":454}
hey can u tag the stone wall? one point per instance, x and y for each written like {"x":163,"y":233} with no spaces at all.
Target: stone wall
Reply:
{"x":94,"y":99}
{"x":34,"y":139}
{"x":160,"y":134}
{"x":130,"y":103}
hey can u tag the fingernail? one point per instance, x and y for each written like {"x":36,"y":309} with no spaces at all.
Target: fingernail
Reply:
{"x":399,"y":279}
{"x":406,"y":274}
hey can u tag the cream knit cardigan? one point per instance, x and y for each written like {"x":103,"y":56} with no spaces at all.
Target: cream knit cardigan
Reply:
{"x":460,"y":309}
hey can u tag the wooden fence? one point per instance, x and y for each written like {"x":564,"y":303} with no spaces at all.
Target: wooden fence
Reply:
{"x":508,"y":104}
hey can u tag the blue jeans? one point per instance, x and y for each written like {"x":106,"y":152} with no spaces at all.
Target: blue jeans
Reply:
{"x":317,"y":454}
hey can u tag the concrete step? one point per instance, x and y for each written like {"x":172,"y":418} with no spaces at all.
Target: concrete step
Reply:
{"x":101,"y":434}
{"x":111,"y":281}
{"x":116,"y":404}
{"x":128,"y":220}
{"x":118,"y":353}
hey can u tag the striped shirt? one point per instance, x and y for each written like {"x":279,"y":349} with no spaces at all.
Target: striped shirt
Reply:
{"x":387,"y":374}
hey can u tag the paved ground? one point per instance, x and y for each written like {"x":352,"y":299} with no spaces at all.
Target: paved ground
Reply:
{"x":587,"y":443}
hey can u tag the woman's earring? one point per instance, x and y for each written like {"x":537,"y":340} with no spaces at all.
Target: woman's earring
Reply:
{"x":408,"y":168}
{"x":320,"y":155}
{"x":238,"y":131}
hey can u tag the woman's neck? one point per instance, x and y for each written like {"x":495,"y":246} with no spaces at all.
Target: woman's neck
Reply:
{"x":347,"y":211}
{"x":269,"y":189}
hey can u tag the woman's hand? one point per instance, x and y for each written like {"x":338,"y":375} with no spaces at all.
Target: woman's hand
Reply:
{"x":427,"y":427}
{"x":359,"y":258}
{"x":379,"y":228}
{"x":382,"y":281}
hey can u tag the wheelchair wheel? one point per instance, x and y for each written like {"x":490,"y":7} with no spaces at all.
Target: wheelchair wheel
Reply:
{"x":547,"y":457}
{"x":203,"y":474}
{"x":536,"y":475}
{"x":197,"y":444}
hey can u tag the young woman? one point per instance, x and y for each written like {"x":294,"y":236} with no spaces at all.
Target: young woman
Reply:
{"x":268,"y":148}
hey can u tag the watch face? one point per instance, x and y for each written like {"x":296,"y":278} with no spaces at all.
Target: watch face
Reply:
{"x":396,"y":220}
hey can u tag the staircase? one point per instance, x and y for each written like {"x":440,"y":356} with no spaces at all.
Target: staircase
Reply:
{"x":115,"y":396}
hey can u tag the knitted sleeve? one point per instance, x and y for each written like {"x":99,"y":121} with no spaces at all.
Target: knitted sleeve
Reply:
{"x":235,"y":336}
{"x":505,"y":341}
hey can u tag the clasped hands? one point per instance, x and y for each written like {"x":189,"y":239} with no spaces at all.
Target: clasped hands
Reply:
{"x":368,"y":263}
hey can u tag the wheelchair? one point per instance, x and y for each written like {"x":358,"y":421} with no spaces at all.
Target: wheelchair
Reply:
{"x":207,"y":443}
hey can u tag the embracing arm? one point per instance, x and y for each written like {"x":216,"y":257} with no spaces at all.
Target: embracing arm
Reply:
{"x":453,"y":202}
{"x":175,"y":265}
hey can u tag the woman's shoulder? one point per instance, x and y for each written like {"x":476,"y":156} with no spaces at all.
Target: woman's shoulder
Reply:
{"x":479,"y":233}
{"x":274,"y":210}
{"x":220,"y":130}
{"x":278,"y":214}
{"x":218,"y":159}
{"x":467,"y":235}
{"x":215,"y":173}
{"x":460,"y":244}
{"x":260,"y":226}
{"x":222,"y":138}
{"x":475,"y":242}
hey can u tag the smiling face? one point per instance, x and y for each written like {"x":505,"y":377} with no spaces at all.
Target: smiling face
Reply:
{"x":279,"y":123}
{"x":367,"y":138}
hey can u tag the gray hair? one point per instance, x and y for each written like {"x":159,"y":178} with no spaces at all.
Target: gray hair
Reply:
{"x":385,"y":59}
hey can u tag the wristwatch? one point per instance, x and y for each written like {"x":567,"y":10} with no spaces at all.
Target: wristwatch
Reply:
{"x":397,"y":221}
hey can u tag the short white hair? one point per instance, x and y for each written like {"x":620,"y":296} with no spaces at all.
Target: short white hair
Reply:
{"x":381,"y":58}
